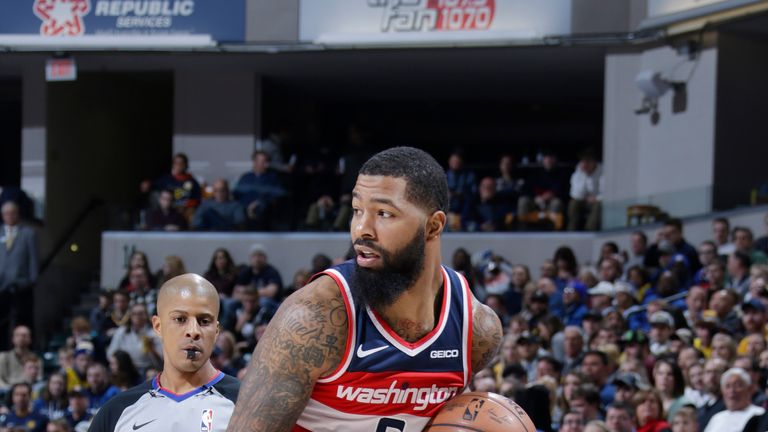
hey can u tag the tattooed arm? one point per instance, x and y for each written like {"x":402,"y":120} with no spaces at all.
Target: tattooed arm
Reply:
{"x":304,"y":341}
{"x":486,"y":335}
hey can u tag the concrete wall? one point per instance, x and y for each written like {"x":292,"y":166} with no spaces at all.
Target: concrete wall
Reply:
{"x":218,"y":141}
{"x":33,"y":135}
{"x":292,"y":251}
{"x":668,"y":164}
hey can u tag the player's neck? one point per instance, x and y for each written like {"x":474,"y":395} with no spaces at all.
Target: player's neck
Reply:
{"x":180,"y":382}
{"x":416,"y":312}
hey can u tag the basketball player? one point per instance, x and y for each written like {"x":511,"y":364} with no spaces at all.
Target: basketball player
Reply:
{"x":189,"y":394}
{"x":381,"y":342}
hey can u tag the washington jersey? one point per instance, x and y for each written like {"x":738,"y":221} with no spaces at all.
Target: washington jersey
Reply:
{"x":149,"y":407}
{"x":384,"y":383}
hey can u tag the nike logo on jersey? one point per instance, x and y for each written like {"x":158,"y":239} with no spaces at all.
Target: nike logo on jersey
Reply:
{"x":137,"y":427}
{"x":361,"y":353}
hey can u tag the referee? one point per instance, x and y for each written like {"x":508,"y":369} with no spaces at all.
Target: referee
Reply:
{"x":189,"y":394}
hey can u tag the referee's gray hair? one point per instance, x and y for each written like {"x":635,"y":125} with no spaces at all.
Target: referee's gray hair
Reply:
{"x":741,"y":373}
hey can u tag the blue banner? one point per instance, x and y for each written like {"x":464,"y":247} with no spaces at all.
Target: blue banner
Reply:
{"x":223,"y":20}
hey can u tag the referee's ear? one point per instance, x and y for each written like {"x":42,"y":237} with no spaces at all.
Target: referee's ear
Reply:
{"x":156,"y":326}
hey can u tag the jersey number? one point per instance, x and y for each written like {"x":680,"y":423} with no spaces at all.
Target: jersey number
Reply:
{"x":390,"y":425}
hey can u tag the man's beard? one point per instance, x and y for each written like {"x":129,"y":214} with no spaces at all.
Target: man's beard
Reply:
{"x":382,"y":287}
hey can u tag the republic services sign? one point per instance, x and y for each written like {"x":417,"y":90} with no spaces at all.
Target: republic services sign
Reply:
{"x":221,"y":20}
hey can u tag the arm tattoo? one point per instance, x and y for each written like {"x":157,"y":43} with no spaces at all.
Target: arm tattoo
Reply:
{"x":486,"y":336}
{"x":304,"y":341}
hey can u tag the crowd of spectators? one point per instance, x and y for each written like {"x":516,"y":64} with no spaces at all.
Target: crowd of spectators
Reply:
{"x":302,"y":194}
{"x":661,"y":336}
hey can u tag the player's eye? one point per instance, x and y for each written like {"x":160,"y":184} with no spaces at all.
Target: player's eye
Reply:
{"x":180,"y":319}
{"x":385,"y":214}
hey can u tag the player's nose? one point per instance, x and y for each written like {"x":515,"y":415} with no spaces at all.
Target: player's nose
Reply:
{"x":193,"y":330}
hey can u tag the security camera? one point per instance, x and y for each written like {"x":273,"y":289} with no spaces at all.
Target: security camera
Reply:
{"x":651,"y":83}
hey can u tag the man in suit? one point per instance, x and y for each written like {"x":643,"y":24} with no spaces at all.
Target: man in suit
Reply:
{"x":18,"y":267}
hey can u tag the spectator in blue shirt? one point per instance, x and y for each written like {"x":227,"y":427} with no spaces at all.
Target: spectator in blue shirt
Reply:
{"x":21,"y":415}
{"x":219,"y":213}
{"x":462,"y":185}
{"x":100,"y":390}
{"x":265,"y":278}
{"x":256,"y":190}
{"x":574,"y":295}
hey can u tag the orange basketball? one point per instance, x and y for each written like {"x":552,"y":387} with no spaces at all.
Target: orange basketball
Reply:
{"x":481,"y":412}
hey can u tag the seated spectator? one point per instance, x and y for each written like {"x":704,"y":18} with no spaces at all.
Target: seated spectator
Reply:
{"x":713,"y":370}
{"x":139,"y":340}
{"x":320,"y":262}
{"x":486,"y":211}
{"x":173,"y":266}
{"x":99,"y":390}
{"x":743,"y":242}
{"x":12,"y":361}
{"x":462,"y":188}
{"x":241,"y":320}
{"x":264,"y":277}
{"x":229,"y":358}
{"x":118,"y":315}
{"x":100,"y":315}
{"x":586,"y":400}
{"x":185,"y":190}
{"x":33,"y":374}
{"x":684,"y":420}
{"x":574,"y":298}
{"x":257,"y":190}
{"x":124,"y":373}
{"x":77,"y":412}
{"x":662,"y":327}
{"x":20,"y":415}
{"x":546,"y":188}
{"x":586,"y":195}
{"x":222,"y":272}
{"x":649,"y":411}
{"x":721,"y":235}
{"x":572,"y":421}
{"x":668,"y":380}
{"x":707,"y":255}
{"x":52,"y":401}
{"x":508,"y":185}
{"x":138,"y":259}
{"x":219,"y":213}
{"x":77,"y":374}
{"x":300,"y":280}
{"x":620,"y":417}
{"x":672,"y":232}
{"x":597,"y":368}
{"x":58,"y":425}
{"x":738,"y":272}
{"x":735,"y":387}
{"x":638,"y":246}
{"x":165,"y":217}
{"x":724,"y":304}
{"x":327,"y":215}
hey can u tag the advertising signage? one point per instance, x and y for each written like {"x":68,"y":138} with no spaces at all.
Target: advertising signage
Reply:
{"x":361,"y":21}
{"x":221,"y":20}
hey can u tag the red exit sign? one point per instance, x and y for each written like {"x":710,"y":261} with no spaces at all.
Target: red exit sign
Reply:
{"x":60,"y":69}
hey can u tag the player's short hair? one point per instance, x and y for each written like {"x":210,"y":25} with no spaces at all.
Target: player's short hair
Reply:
{"x":426,"y":183}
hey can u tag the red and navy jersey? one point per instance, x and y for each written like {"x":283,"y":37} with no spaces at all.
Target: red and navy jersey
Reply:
{"x":384,"y":383}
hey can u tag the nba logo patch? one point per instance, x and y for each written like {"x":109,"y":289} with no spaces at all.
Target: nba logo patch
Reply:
{"x":206,"y":423}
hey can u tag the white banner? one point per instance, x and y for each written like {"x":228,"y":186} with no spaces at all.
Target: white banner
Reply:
{"x":414,"y":21}
{"x":664,"y":7}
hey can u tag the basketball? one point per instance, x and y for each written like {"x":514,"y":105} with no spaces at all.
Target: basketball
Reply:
{"x":481,"y":412}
